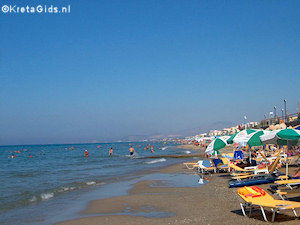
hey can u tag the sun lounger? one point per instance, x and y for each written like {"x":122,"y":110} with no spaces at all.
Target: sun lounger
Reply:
{"x":239,"y":169}
{"x":289,"y":183}
{"x":238,"y":155}
{"x":257,"y":197}
{"x":205,"y":166}
{"x":227,"y":155}
{"x":219,"y":164}
{"x":264,"y":157}
{"x":257,"y":172}
{"x":191,"y":166}
{"x":253,"y":179}
{"x":284,"y":193}
{"x":225,"y":160}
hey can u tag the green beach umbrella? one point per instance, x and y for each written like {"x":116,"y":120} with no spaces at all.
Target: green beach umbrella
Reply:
{"x":254,"y":139}
{"x":240,"y":137}
{"x":289,"y":134}
{"x":217,"y":144}
{"x":281,"y":137}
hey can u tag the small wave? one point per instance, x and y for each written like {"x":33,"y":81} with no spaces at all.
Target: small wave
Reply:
{"x":187,"y":152}
{"x":156,"y":161}
{"x":91,"y":183}
{"x":33,"y":199}
{"x":63,"y":189}
{"x":46,"y":196}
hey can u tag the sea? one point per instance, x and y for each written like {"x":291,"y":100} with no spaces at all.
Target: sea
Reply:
{"x":45,"y":184}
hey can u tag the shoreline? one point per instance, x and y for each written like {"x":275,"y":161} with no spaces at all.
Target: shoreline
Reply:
{"x":211,"y":203}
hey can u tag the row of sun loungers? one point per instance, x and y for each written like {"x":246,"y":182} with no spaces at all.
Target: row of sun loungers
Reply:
{"x":253,"y":196}
{"x":207,"y":166}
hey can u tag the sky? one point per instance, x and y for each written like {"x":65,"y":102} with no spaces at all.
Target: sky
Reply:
{"x":110,"y":69}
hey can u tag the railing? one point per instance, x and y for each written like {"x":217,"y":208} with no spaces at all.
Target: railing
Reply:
{"x":281,"y":119}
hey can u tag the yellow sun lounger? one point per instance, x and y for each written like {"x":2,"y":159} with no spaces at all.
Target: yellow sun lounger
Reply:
{"x":284,"y":193}
{"x":288,"y":183}
{"x":267,"y":171}
{"x":191,"y":166}
{"x":239,"y":169}
{"x":257,"y":197}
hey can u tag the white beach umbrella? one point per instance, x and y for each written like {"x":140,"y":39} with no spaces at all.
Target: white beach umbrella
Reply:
{"x":241,"y":137}
{"x":217,"y":144}
{"x":282,"y":137}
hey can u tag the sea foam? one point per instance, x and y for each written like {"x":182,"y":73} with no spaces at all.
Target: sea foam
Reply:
{"x":91,"y":183}
{"x":46,"y":196}
{"x":156,"y":161}
{"x":33,"y":199}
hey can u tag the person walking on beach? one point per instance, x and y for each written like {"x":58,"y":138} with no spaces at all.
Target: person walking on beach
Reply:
{"x":111,"y":151}
{"x":131,"y":150}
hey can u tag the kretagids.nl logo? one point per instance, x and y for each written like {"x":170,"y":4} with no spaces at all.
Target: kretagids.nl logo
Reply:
{"x":46,"y":9}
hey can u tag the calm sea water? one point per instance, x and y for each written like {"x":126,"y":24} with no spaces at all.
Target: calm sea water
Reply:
{"x":41,"y":173}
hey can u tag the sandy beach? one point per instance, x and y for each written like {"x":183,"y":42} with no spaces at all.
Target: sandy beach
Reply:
{"x":211,"y":203}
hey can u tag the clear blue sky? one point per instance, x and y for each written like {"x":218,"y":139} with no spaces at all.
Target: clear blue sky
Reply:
{"x":116,"y":68}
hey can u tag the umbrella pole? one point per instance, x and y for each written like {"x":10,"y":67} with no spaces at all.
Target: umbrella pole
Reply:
{"x":249,"y":154}
{"x":286,"y":162}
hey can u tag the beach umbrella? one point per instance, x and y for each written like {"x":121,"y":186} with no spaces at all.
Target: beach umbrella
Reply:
{"x":297,"y":127}
{"x":241,"y":137}
{"x":254,"y":138}
{"x":281,"y":137}
{"x":289,"y":134}
{"x":216,"y":145}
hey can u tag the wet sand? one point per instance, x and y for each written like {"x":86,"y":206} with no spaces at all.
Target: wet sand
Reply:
{"x":212,"y":203}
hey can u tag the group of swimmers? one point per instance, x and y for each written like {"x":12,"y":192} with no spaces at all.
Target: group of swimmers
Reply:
{"x":149,"y":146}
{"x":12,"y":156}
{"x":111,"y":151}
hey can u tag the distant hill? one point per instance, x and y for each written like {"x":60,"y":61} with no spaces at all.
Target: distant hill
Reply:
{"x":153,"y":137}
{"x":219,"y":125}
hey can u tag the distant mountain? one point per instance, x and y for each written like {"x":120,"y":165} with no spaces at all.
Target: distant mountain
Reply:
{"x":219,"y":125}
{"x":133,"y":138}
{"x":204,"y":128}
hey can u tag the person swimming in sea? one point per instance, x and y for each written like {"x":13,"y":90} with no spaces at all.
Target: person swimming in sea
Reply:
{"x":111,"y":151}
{"x":86,"y":153}
{"x":152,"y":150}
{"x":131,"y":150}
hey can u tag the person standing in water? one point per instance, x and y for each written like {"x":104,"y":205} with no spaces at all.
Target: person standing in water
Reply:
{"x":86,"y":153}
{"x":152,"y":150}
{"x":131,"y":150}
{"x":111,"y":151}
